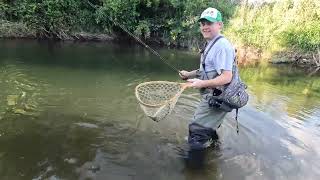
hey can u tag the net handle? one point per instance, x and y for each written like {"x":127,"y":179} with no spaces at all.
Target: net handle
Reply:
{"x":182,"y":85}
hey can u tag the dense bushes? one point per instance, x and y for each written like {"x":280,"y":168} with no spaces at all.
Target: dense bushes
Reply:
{"x":278,"y":26}
{"x":267,"y":26}
{"x":16,"y":29}
{"x":50,"y":18}
{"x":171,"y":21}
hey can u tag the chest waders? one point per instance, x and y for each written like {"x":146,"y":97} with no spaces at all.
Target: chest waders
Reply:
{"x":214,"y":92}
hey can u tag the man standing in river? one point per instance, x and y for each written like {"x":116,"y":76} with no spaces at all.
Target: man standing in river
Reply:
{"x":215,"y":70}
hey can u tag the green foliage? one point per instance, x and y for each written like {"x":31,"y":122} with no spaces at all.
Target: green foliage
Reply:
{"x":185,"y":14}
{"x":173,"y":21}
{"x":16,"y":29}
{"x":49,"y":17}
{"x":122,"y":12}
{"x":278,"y":26}
{"x":305,"y":37}
{"x":270,"y":26}
{"x":143,"y":29}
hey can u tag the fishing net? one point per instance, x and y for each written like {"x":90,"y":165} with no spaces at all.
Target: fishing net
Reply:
{"x":158,"y":98}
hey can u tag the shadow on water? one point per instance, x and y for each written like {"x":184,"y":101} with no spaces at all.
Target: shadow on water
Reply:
{"x":68,"y":111}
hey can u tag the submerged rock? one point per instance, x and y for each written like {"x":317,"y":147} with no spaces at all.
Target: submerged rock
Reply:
{"x":23,"y":112}
{"x":12,"y":100}
{"x":87,"y":125}
{"x":71,"y":160}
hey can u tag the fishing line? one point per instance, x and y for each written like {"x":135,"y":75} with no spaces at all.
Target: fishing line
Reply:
{"x":140,"y":41}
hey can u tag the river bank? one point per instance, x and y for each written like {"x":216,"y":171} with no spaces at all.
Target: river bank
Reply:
{"x":278,"y":32}
{"x":251,"y":55}
{"x":246,"y":54}
{"x":16,"y":30}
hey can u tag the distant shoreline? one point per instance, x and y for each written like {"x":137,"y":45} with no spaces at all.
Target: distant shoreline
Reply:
{"x":246,"y":55}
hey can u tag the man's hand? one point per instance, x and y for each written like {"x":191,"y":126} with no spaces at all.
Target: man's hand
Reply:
{"x":197,"y":83}
{"x":184,"y":74}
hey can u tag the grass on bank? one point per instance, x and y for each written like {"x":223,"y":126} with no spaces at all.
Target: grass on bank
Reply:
{"x":290,"y":27}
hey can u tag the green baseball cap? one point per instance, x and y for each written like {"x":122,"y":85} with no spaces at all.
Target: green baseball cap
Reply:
{"x":211,"y":14}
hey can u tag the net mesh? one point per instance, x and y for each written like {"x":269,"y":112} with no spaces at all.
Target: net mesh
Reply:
{"x":158,"y":98}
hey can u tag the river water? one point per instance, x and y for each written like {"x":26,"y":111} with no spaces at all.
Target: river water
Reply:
{"x":68,"y":111}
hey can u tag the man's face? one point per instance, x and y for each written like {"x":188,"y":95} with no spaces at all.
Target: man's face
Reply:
{"x":209,"y":29}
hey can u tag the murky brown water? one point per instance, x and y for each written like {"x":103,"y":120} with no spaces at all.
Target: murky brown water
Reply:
{"x":68,"y":111}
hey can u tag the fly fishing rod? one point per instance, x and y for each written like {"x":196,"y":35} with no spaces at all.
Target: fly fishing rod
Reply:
{"x":146,"y":46}
{"x":140,"y":41}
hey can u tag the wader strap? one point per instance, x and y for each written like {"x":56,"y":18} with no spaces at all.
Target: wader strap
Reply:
{"x":237,"y":120}
{"x":206,"y":54}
